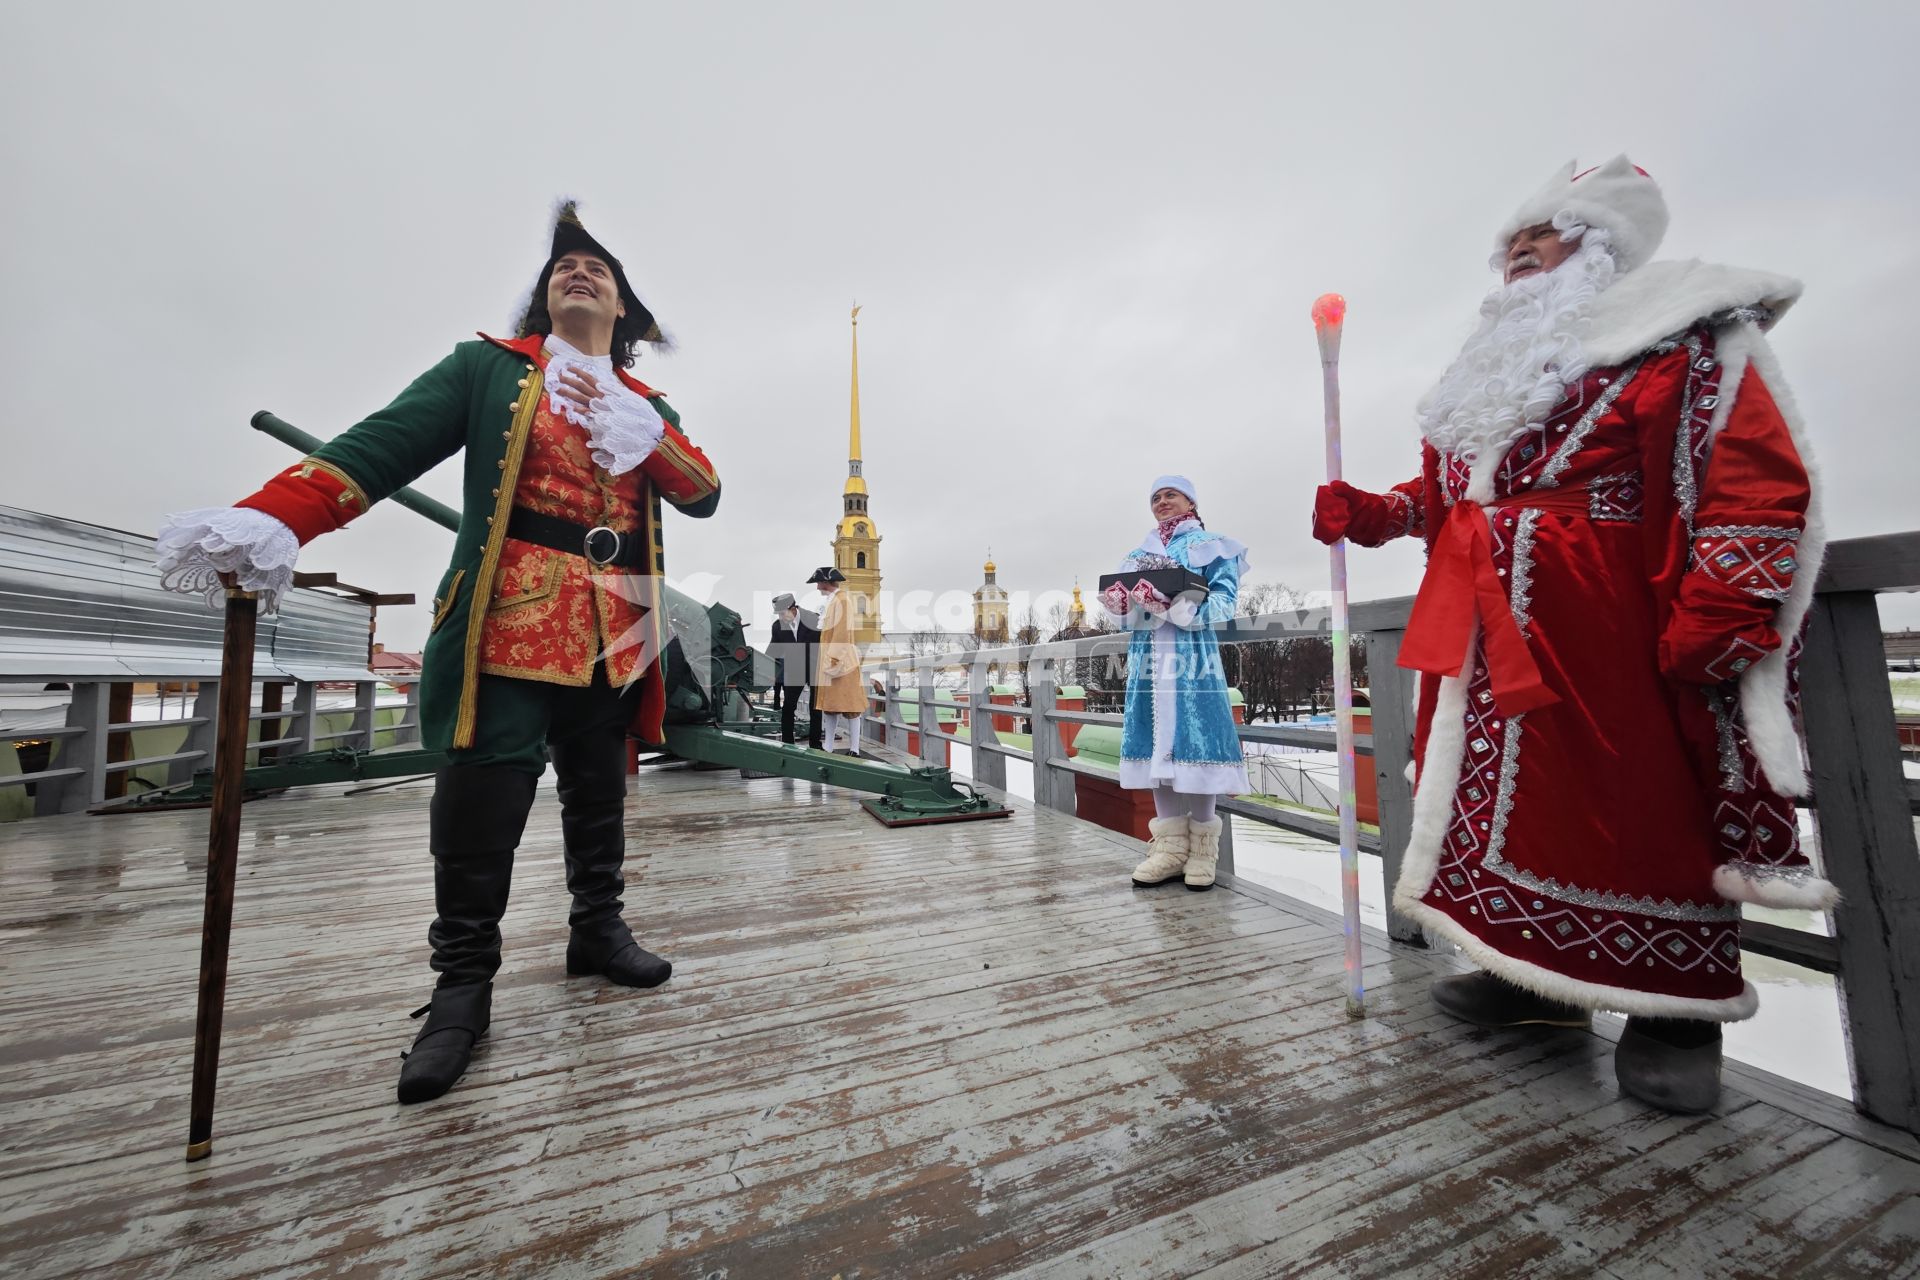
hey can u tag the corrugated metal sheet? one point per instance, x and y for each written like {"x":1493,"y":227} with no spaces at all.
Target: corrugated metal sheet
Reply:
{"x":83,"y":602}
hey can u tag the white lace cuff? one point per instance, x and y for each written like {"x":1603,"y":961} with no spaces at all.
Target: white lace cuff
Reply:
{"x":623,"y":430}
{"x":195,"y":547}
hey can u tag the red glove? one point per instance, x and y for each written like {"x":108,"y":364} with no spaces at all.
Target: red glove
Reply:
{"x":1148,"y":597}
{"x":1334,"y":507}
{"x":1115,"y":599}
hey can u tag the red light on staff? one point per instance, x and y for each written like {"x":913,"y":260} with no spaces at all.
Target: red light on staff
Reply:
{"x":1329,"y":309}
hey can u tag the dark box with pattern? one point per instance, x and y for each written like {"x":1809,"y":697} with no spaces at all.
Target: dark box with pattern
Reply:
{"x":1171,"y":583}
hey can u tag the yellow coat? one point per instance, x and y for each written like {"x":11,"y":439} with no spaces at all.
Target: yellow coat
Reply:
{"x":837,"y":684}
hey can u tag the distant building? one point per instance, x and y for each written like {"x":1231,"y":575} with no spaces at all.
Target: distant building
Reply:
{"x":397,"y":669}
{"x":1095,"y":675}
{"x":1076,"y":620}
{"x":1903,"y":650}
{"x":990,"y":608}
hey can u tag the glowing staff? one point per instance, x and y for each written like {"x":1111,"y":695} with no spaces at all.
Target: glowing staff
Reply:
{"x":1329,"y":313}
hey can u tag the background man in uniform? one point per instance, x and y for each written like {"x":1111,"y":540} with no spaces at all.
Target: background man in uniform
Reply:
{"x":796,"y":639}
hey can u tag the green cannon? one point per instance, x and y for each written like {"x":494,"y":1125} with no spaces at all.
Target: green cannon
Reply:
{"x":711,"y":674}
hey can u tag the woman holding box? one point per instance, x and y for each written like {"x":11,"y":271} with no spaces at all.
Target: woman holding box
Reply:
{"x":1179,"y":737}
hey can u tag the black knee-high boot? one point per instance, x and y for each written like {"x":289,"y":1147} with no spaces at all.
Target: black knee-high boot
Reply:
{"x":592,"y":783}
{"x":479,"y":813}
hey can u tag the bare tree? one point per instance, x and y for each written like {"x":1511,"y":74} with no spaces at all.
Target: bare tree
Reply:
{"x":1261,"y":669}
{"x":1027,"y":633}
{"x":933,"y":640}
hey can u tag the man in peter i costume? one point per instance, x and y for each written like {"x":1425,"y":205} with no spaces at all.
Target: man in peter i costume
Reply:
{"x":544,"y":639}
{"x":1623,"y":542}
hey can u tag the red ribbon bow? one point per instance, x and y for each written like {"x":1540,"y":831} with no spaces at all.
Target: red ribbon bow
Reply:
{"x":1460,"y":587}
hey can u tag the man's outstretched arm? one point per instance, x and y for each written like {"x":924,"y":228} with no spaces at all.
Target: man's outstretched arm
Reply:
{"x":259,"y":538}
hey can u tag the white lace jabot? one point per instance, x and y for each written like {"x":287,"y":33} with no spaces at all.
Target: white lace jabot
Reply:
{"x":622,"y":428}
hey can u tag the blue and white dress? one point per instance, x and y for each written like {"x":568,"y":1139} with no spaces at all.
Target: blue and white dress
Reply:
{"x":1179,"y":724}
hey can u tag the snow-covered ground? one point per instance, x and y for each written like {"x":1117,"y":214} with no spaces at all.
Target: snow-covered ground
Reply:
{"x":1906,"y":690}
{"x":24,"y":708}
{"x":1796,"y":1034}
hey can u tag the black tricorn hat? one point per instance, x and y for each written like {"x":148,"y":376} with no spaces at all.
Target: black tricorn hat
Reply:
{"x":827,"y":574}
{"x":632,"y":329}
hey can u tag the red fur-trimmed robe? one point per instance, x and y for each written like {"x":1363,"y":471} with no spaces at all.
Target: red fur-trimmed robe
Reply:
{"x":1656,"y":543}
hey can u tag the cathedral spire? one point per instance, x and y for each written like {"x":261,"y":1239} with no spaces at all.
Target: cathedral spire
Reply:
{"x":855,"y":484}
{"x":856,"y":540}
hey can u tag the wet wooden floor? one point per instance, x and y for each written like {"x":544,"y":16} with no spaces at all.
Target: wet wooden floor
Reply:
{"x":968,"y":1050}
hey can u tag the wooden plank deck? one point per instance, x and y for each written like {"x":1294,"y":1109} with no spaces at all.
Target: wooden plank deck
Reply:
{"x":968,"y":1050}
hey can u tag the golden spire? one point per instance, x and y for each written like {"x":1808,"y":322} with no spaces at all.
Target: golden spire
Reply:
{"x":855,"y":484}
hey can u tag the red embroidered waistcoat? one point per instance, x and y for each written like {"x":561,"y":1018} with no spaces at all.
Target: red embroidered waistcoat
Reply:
{"x":553,"y":613}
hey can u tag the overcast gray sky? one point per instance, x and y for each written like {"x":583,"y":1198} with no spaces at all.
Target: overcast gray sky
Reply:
{"x":1086,"y":237}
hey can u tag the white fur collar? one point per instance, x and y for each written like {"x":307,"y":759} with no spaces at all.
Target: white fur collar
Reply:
{"x":1662,"y":298}
{"x":1200,"y":550}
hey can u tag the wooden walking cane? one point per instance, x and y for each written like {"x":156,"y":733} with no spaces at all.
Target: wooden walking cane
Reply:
{"x":1329,"y":314}
{"x":223,"y":854}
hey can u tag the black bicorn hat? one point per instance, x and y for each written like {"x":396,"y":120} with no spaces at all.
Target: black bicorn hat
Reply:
{"x":571,"y":236}
{"x":827,"y":573}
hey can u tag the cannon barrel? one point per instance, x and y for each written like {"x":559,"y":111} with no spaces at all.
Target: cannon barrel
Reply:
{"x":412,"y":499}
{"x":709,"y":668}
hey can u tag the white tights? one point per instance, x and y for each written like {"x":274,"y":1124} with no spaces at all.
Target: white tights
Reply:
{"x":1168,"y":803}
{"x":832,"y":722}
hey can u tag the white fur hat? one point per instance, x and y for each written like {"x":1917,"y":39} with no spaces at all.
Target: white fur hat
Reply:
{"x":1618,"y":197}
{"x":1181,"y":483}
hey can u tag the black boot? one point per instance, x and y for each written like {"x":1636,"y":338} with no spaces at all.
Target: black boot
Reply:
{"x":1671,"y":1063}
{"x":592,"y":776}
{"x":456,"y":1019}
{"x":617,"y":958}
{"x":1486,"y":1001}
{"x":477,"y":817}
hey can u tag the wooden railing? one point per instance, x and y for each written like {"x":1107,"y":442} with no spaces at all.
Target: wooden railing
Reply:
{"x":81,"y":763}
{"x":82,"y":605}
{"x":1864,"y":805}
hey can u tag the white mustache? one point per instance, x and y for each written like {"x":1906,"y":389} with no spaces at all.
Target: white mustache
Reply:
{"x":1523,"y":262}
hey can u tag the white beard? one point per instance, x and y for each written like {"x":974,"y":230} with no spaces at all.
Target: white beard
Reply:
{"x":1520,"y":358}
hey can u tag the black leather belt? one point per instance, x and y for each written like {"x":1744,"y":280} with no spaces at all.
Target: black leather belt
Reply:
{"x":600,"y":546}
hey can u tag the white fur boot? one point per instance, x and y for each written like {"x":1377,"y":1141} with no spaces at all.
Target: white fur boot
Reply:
{"x":1166,"y":853}
{"x":1204,"y":839}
